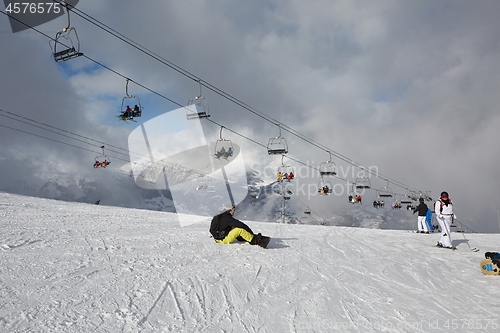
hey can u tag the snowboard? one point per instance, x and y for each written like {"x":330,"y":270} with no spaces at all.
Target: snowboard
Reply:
{"x":490,"y":267}
{"x":264,"y":242}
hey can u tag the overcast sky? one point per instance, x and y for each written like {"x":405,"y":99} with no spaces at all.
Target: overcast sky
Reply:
{"x":409,"y":87}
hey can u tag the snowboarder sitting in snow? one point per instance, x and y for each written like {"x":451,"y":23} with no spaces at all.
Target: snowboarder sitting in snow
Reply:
{"x":225,"y":229}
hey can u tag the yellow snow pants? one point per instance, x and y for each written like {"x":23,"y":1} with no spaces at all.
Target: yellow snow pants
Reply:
{"x":235,"y":233}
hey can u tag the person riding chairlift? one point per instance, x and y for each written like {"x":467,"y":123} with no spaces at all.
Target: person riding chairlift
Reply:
{"x":229,"y":152}
{"x":280,"y":177}
{"x":220,"y":153}
{"x":137,"y":111}
{"x":128,"y":112}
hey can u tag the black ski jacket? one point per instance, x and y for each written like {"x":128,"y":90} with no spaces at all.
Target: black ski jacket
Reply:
{"x":227,"y":222}
{"x":421,"y":209}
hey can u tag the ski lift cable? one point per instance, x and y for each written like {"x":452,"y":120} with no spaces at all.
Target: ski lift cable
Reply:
{"x":214,"y":89}
{"x":81,"y":148}
{"x":51,"y":139}
{"x":62,"y":142}
{"x":99,"y":145}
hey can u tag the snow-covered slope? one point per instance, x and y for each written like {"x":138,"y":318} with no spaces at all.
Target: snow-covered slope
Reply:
{"x":74,"y":267}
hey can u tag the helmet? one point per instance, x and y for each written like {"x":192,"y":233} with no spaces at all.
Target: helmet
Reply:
{"x":444,"y":194}
{"x":421,"y":199}
{"x":229,"y":207}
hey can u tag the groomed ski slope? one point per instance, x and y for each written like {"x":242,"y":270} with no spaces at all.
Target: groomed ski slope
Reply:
{"x":72,"y":267}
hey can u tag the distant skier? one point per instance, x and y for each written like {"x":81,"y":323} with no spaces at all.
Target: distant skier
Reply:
{"x":422,"y":213}
{"x":444,"y":214}
{"x":428,"y":220}
{"x":225,"y":229}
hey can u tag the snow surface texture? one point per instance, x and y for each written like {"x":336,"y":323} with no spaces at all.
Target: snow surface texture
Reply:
{"x":75,"y":267}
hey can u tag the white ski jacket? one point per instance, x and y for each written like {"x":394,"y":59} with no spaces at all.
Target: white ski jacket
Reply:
{"x":446,"y":209}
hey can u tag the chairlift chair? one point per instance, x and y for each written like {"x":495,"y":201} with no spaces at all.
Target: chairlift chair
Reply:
{"x":328,"y":168}
{"x":385,"y":192}
{"x":414,"y":195}
{"x":210,"y":188}
{"x":362,"y":183}
{"x":66,"y":44}
{"x":205,"y":186}
{"x":253,"y":192}
{"x":325,"y":187}
{"x":197,"y":107}
{"x":406,"y":200}
{"x":127,"y":101}
{"x":202,"y":186}
{"x":101,"y":161}
{"x":277,"y":145}
{"x":427,"y":196}
{"x":285,"y":170}
{"x":396,"y":204}
{"x":353,"y":194}
{"x":223,"y":148}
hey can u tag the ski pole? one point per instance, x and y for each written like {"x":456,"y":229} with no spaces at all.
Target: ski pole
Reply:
{"x":466,"y":240}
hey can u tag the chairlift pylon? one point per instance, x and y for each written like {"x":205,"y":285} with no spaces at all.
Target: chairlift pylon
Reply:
{"x":277,"y":145}
{"x":197,"y":107}
{"x":61,"y":51}
{"x":328,"y":168}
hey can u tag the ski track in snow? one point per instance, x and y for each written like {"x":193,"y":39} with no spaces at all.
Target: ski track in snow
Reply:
{"x":71,"y":267}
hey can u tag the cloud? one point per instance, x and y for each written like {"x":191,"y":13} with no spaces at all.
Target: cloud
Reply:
{"x":410,"y":87}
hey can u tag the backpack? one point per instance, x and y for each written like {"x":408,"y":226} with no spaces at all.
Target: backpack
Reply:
{"x":442,"y":204}
{"x":214,"y":228}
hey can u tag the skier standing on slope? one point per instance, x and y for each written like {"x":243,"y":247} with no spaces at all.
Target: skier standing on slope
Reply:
{"x":422,"y":212}
{"x":225,"y":229}
{"x":444,"y":214}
